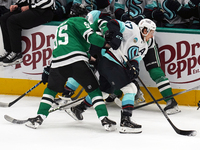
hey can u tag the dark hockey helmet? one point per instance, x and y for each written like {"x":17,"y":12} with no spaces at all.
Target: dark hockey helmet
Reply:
{"x":78,"y":10}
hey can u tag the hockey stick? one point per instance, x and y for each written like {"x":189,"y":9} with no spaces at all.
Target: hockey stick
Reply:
{"x":178,"y":131}
{"x":65,"y":106}
{"x":13,"y":102}
{"x":129,"y":8}
{"x":146,"y":104}
{"x":18,"y":121}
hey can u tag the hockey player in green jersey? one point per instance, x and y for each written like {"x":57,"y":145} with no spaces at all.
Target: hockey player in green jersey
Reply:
{"x":70,"y":59}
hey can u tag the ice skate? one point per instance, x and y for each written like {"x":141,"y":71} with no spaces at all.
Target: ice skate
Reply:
{"x":76,"y":112}
{"x":127,"y":126}
{"x":35,"y":122}
{"x":12,"y":59}
{"x":108,"y":124}
{"x":172,"y":107}
{"x":139,"y":98}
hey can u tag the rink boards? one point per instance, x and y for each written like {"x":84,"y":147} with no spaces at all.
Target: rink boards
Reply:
{"x":179,"y":51}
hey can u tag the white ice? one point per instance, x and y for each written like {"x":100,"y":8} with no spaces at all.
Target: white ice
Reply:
{"x":60,"y":131}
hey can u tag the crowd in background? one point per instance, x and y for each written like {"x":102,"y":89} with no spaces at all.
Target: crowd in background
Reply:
{"x":16,"y":15}
{"x":166,"y":13}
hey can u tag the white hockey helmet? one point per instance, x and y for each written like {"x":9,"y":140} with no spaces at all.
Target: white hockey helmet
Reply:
{"x":146,"y":24}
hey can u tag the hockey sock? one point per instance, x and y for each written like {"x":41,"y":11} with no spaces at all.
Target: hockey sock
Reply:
{"x":44,"y":109}
{"x":72,"y":84}
{"x":98,"y":103}
{"x":101,"y":110}
{"x":46,"y":102}
{"x":162,"y":82}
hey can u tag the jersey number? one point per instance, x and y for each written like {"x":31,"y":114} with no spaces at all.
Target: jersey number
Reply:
{"x":128,"y":25}
{"x":63,"y":37}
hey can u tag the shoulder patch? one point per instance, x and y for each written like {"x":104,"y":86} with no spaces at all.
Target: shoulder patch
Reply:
{"x":135,"y":40}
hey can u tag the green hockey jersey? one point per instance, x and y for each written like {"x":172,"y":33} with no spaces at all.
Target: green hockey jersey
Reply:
{"x":73,"y":39}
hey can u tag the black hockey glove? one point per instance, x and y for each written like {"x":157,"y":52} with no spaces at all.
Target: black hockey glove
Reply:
{"x":193,"y":3}
{"x":114,"y":39}
{"x":132,"y":72}
{"x":45,"y":75}
{"x":173,"y":5}
{"x":158,"y":14}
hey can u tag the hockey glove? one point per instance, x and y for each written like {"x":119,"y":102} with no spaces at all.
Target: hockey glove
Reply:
{"x":173,"y":5}
{"x":45,"y":75}
{"x":114,"y":39}
{"x":132,"y":72}
{"x":193,"y":3}
{"x":158,"y":14}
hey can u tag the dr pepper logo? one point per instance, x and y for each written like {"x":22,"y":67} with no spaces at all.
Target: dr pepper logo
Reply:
{"x":182,"y":60}
{"x":38,"y":49}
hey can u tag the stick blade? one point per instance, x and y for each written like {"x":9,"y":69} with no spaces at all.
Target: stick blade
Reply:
{"x":4,"y":104}
{"x":15,"y":121}
{"x":187,"y":132}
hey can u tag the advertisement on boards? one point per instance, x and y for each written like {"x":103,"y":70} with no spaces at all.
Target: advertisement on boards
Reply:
{"x":179,"y":54}
{"x":180,"y":58}
{"x":37,"y":46}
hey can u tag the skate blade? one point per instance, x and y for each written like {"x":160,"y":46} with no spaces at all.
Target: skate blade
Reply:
{"x":127,"y":130}
{"x":172,"y":111}
{"x":109,"y":127}
{"x":30,"y":125}
{"x":69,"y":112}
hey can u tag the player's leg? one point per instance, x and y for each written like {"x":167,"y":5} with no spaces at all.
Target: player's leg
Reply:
{"x":85,"y":76}
{"x":152,"y":64}
{"x":126,"y":125}
{"x":55,"y":84}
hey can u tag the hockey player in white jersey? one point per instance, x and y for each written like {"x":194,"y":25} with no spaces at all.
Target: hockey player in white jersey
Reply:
{"x":132,"y":41}
{"x":135,"y":10}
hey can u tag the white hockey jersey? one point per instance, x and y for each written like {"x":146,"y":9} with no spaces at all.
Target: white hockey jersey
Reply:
{"x":133,"y":46}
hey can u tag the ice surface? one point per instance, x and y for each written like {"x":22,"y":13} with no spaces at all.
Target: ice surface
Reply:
{"x":60,"y":131}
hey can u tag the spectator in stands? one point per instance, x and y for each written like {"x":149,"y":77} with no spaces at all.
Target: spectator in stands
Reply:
{"x":5,"y":5}
{"x":169,"y":13}
{"x":105,"y":6}
{"x":130,"y":10}
{"x":195,"y":7}
{"x":62,"y":9}
{"x":24,"y":14}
